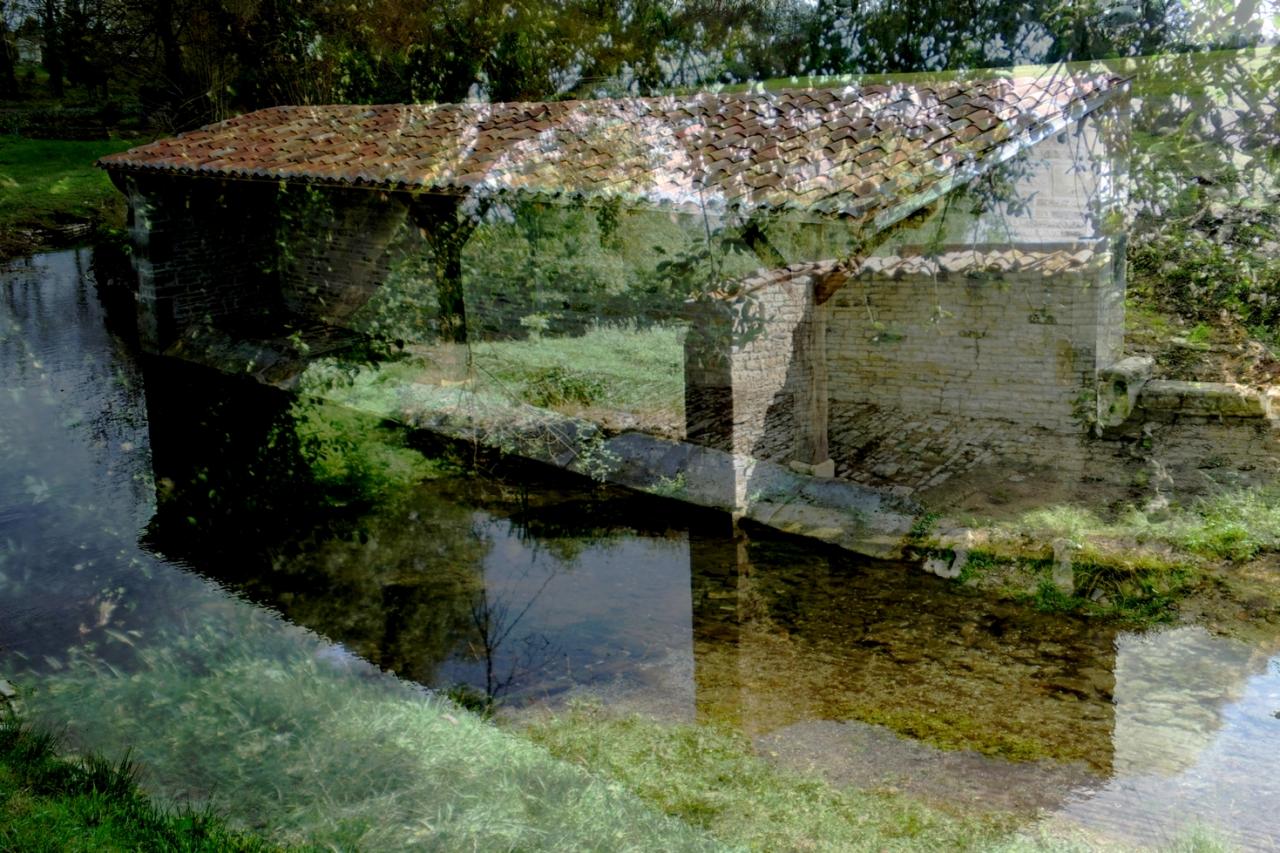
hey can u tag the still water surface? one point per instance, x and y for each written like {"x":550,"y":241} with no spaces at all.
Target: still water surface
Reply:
{"x":142,"y":503}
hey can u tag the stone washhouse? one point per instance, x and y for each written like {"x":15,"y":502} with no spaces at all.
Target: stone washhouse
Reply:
{"x":977,"y":299}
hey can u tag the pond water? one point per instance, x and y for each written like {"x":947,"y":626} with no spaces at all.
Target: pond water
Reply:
{"x":147,"y":506}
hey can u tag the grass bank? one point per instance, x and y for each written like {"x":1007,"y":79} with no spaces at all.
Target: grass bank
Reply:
{"x":49,"y":188}
{"x":1210,"y":558}
{"x":49,"y":802}
{"x":285,"y":736}
{"x":711,"y":779}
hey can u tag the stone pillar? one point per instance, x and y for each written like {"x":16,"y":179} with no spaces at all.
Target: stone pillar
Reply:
{"x":756,"y":370}
{"x":811,"y":395}
{"x":708,"y":375}
{"x":155,"y":316}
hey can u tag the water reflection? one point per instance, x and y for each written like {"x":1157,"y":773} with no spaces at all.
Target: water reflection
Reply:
{"x":531,"y":590}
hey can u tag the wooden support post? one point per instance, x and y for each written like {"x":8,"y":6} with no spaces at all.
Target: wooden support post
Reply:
{"x":811,"y":404}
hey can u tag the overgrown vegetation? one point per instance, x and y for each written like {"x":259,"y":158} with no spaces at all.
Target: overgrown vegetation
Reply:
{"x":353,"y":454}
{"x":1127,"y":584}
{"x":81,"y":804}
{"x":625,"y":369}
{"x":1233,"y":525}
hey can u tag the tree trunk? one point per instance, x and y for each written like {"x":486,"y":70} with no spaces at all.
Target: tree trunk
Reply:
{"x":8,"y":55}
{"x":170,"y":49}
{"x":52,"y":59}
{"x":447,"y":232}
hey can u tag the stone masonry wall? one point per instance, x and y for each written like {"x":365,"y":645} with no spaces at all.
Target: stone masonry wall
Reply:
{"x":339,"y":247}
{"x":203,"y":252}
{"x":1199,"y":434}
{"x":1021,"y":346}
{"x":742,"y":377}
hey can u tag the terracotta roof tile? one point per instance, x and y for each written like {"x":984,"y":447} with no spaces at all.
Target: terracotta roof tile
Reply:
{"x":825,"y":151}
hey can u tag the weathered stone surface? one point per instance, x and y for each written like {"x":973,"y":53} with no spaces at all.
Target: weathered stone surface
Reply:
{"x":943,"y":567}
{"x":1118,"y":388}
{"x":1203,"y":398}
{"x":822,"y":470}
{"x":1064,"y":554}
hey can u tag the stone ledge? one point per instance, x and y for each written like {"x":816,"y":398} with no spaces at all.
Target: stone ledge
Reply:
{"x":1203,"y":399}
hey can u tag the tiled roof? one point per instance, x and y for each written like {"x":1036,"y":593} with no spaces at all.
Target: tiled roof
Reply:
{"x":982,"y":262}
{"x":875,"y":151}
{"x":961,"y":261}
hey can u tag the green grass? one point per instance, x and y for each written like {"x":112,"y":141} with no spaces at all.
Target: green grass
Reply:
{"x":254,"y":718}
{"x":1137,"y":566}
{"x":1233,"y":525}
{"x":1129,"y":584}
{"x":711,"y":779}
{"x":48,"y":802}
{"x":47,"y":184}
{"x":610,"y":367}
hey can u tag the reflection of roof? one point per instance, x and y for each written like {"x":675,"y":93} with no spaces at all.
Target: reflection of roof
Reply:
{"x":855,"y":152}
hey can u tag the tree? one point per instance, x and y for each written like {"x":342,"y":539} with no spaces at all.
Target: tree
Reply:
{"x":8,"y":57}
{"x":51,"y":29}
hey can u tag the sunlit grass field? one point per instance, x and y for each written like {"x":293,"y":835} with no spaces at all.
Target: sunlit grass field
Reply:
{"x":48,"y":183}
{"x":619,"y":368}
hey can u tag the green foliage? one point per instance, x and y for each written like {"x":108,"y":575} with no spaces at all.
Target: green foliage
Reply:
{"x":357,"y":455}
{"x":922,"y":525}
{"x":1049,"y":598}
{"x":48,"y":802}
{"x":1206,"y":266}
{"x":671,"y":487}
{"x":556,"y":386}
{"x":1134,"y":589}
{"x":595,"y":459}
{"x":978,"y":564}
{"x":619,"y":367}
{"x":1231,"y":524}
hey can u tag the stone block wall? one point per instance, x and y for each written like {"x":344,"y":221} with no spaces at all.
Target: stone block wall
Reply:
{"x":1198,"y":434}
{"x":1014,"y":337}
{"x":1010,"y":325}
{"x":747,"y":377}
{"x":1059,"y":193}
{"x":203,"y":252}
{"x":339,"y":247}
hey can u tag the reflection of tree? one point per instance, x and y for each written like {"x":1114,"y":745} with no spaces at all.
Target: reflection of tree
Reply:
{"x":73,"y":481}
{"x":494,"y":622}
{"x":393,"y":584}
{"x":325,"y":535}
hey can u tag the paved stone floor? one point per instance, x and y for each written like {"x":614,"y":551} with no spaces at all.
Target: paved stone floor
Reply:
{"x":885,"y":448}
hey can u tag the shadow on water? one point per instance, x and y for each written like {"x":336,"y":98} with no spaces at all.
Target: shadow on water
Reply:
{"x":528,"y":589}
